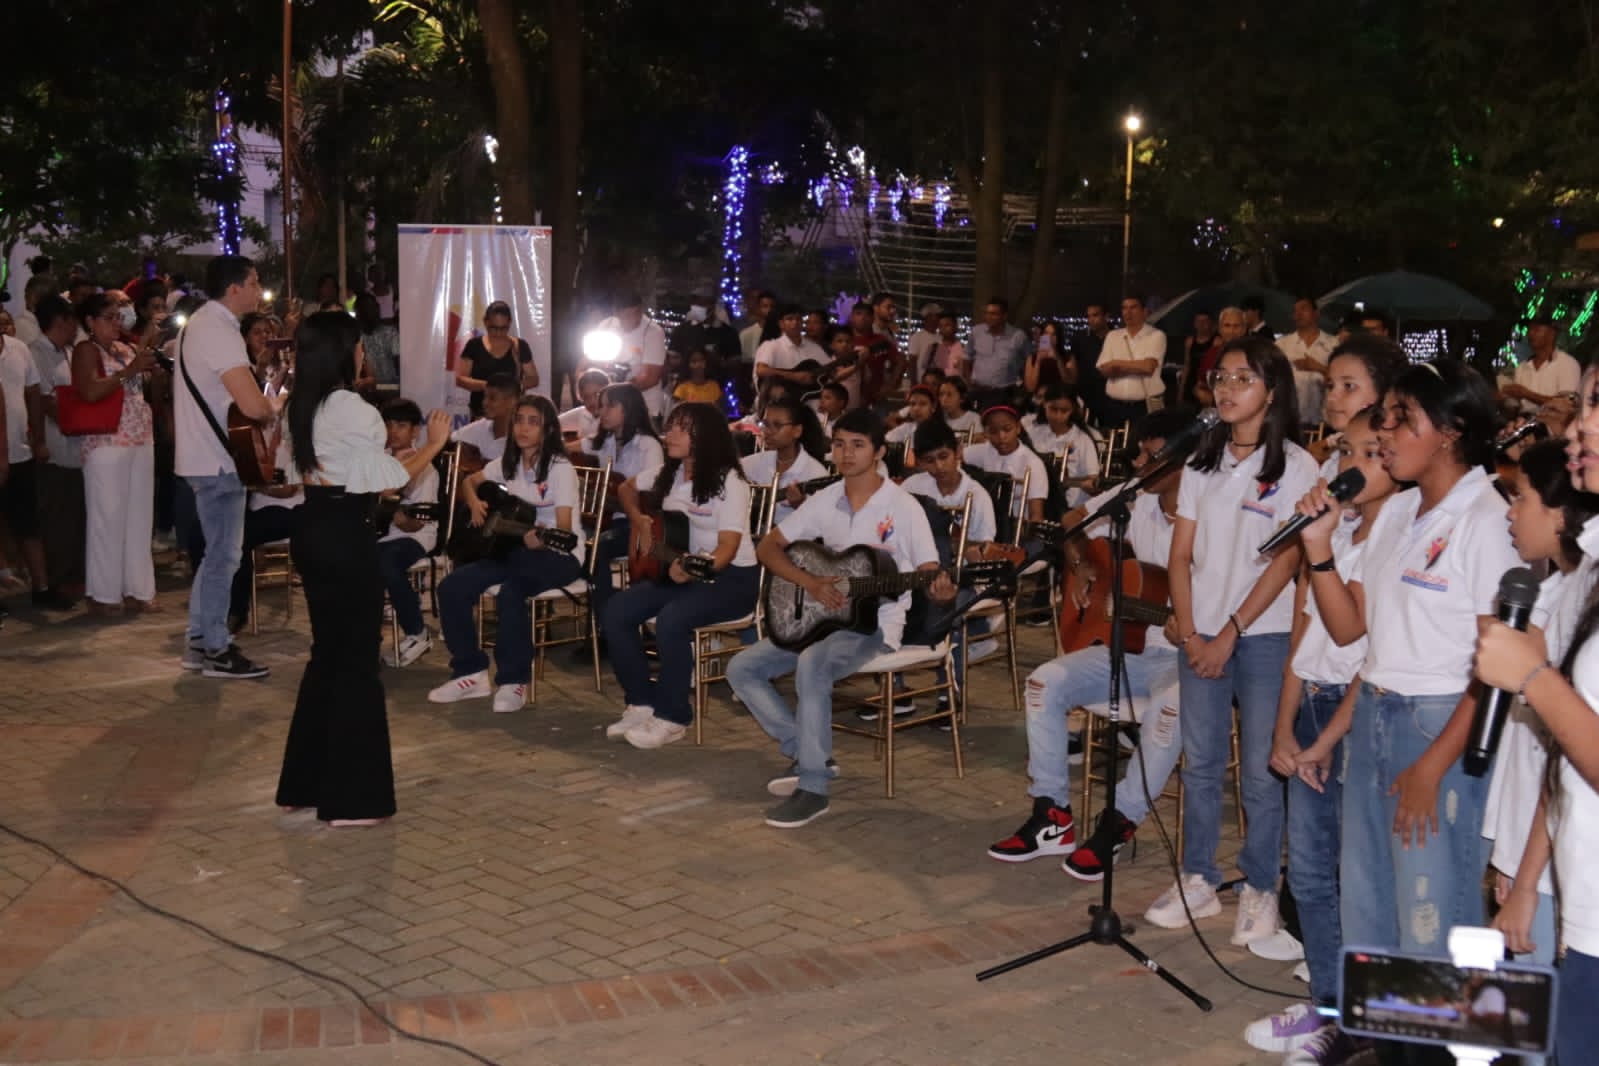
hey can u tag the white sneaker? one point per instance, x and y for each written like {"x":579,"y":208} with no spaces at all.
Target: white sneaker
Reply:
{"x":412,"y":649}
{"x":654,"y":733}
{"x":509,"y":698}
{"x":982,"y":650}
{"x":1302,"y":972}
{"x":1167,"y":911}
{"x":1257,"y":916}
{"x":1285,"y":1031}
{"x":1281,"y":946}
{"x":633,"y":716}
{"x":471,"y":687}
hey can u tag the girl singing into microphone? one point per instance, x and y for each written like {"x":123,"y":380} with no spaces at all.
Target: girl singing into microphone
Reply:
{"x":1232,"y":613}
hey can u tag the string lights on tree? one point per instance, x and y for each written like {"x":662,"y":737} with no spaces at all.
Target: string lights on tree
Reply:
{"x":734,"y":186}
{"x":225,"y":152}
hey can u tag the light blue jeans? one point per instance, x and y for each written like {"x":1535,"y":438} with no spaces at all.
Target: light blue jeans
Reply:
{"x":219,"y":503}
{"x":1253,"y":677}
{"x":803,"y":733}
{"x":1082,"y":679}
{"x":1313,"y":843}
{"x":1393,"y":896}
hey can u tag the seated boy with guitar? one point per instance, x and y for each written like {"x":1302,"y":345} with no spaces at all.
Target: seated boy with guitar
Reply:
{"x":862,"y":509}
{"x":1081,"y":678}
{"x":411,"y":534}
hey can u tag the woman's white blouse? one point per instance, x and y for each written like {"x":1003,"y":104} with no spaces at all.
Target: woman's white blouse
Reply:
{"x":350,"y":442}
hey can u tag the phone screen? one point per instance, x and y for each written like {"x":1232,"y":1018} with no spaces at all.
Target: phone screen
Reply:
{"x":1433,"y":1001}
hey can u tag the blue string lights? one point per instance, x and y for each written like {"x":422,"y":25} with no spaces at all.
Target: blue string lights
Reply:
{"x":225,"y":151}
{"x":734,"y":185}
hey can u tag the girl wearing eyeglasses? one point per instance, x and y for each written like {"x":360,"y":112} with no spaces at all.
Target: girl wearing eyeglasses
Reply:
{"x":1233,"y":611}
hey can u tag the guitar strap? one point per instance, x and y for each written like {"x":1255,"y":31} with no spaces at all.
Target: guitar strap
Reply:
{"x":199,"y":400}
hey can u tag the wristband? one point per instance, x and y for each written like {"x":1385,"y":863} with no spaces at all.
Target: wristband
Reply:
{"x":1521,"y":689}
{"x":1233,"y":618}
{"x":1326,"y":567}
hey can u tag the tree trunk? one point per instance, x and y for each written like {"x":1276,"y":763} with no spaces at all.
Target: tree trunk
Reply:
{"x":1041,"y":273}
{"x":513,"y":111}
{"x":566,"y":102}
{"x":988,"y":205}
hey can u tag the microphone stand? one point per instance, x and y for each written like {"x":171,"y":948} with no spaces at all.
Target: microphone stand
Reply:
{"x":1105,"y":927}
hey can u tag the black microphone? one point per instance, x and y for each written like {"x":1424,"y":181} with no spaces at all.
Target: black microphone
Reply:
{"x":1518,"y":591}
{"x":1516,"y":436}
{"x":1344,"y":487}
{"x":1177,"y":448}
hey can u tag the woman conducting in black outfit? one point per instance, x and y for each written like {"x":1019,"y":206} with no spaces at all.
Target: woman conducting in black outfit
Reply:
{"x":337,"y":756}
{"x":495,"y":352}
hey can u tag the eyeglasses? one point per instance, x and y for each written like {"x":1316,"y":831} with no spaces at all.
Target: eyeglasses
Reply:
{"x":1241,"y":379}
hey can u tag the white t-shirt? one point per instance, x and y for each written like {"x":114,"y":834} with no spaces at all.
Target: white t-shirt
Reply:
{"x":558,"y":489}
{"x":424,"y":489}
{"x":1561,"y":373}
{"x":760,"y":467}
{"x":901,"y":434}
{"x":582,"y":421}
{"x":1234,"y":512}
{"x":27,"y":324}
{"x":642,"y":347}
{"x":983,"y":528}
{"x":726,"y":512}
{"x":891,"y":521}
{"x":18,"y":373}
{"x":211,"y":345}
{"x":1123,"y":347}
{"x":640,"y":453}
{"x":780,"y":353}
{"x":920,"y":349}
{"x":55,"y":369}
{"x":1079,"y":447}
{"x":1426,"y":580}
{"x":964,"y":422}
{"x":1310,"y":385}
{"x":480,"y":435}
{"x":1574,"y":813}
{"x":1019,"y":463}
{"x":1149,"y":534}
{"x":1318,"y":657}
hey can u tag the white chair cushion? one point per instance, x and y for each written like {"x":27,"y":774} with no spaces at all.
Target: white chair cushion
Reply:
{"x":906,"y":659}
{"x":579,"y":587}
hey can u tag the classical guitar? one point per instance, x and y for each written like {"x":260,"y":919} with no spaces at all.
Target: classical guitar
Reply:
{"x":1145,"y":602}
{"x":669,"y":542}
{"x":254,"y":448}
{"x":510,"y":518}
{"x":796,"y":620}
{"x":389,"y":506}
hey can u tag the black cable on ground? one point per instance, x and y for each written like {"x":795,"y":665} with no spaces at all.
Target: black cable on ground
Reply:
{"x":229,"y":942}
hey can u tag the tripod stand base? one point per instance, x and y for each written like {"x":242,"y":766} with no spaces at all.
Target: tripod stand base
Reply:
{"x":1105,"y":930}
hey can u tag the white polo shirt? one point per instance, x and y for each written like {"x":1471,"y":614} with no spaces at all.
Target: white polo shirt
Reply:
{"x":1561,"y":373}
{"x":642,"y":347}
{"x":480,"y":435}
{"x":780,"y":353}
{"x":1021,"y":462}
{"x":1123,"y":347}
{"x":1234,"y":511}
{"x":1318,"y":657}
{"x":891,"y":521}
{"x":1148,"y":535}
{"x":558,"y":489}
{"x":1079,"y":447}
{"x":1574,"y":813}
{"x":211,"y":345}
{"x":1426,"y":580}
{"x":55,"y":369}
{"x":726,"y":512}
{"x":983,"y":527}
{"x":423,"y":489}
{"x":18,"y":373}
{"x":760,"y":467}
{"x":964,"y":422}
{"x":582,"y":421}
{"x":1310,"y":385}
{"x":640,"y":453}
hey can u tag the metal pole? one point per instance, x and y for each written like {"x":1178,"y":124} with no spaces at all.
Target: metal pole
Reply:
{"x":344,"y":265}
{"x":287,"y":181}
{"x":1127,"y":215}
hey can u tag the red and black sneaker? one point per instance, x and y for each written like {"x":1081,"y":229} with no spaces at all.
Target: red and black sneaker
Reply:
{"x":1048,"y":832}
{"x":1087,"y":863}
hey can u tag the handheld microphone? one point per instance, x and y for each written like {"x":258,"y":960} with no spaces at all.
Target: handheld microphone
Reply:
{"x":1344,"y":487}
{"x":1518,"y":591}
{"x":1521,"y":433}
{"x":1178,"y":445}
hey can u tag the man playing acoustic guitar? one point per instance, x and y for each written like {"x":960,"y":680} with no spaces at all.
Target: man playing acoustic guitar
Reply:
{"x":1081,"y":678}
{"x":867,"y":509}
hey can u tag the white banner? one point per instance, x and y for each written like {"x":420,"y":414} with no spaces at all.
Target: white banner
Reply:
{"x":448,"y":275}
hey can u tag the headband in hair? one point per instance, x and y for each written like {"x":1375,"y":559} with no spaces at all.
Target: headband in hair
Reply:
{"x":1001,"y":409}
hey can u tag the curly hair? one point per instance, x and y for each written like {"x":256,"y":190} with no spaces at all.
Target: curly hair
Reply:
{"x":711,"y":445}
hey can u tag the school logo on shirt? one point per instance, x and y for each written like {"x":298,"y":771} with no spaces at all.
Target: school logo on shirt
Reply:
{"x":885,"y":529}
{"x":1264,"y":491}
{"x":1267,"y":489}
{"x":1423,"y":580}
{"x":1435,"y":549}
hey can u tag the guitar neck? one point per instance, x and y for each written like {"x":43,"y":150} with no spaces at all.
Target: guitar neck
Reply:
{"x":894,"y":584}
{"x":1145,"y":612}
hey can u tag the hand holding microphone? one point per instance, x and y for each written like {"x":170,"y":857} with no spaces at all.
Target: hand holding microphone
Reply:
{"x":1326,"y":499}
{"x":1507,"y":657}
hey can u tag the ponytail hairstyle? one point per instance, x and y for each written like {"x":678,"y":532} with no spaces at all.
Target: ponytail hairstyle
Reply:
{"x":1281,"y":424}
{"x":635,"y":416}
{"x":512,"y":459}
{"x":324,"y":363}
{"x":812,"y":440}
{"x":711,"y":445}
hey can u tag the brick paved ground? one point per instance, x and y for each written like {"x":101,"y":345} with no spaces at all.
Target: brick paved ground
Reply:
{"x":544,"y":895}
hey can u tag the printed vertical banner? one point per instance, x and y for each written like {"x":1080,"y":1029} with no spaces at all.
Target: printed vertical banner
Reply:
{"x":448,"y":275}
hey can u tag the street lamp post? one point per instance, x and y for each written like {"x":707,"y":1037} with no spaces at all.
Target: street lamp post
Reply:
{"x":1131,"y":124}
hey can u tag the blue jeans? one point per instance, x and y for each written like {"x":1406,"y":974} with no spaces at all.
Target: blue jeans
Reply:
{"x":1082,"y":679}
{"x":1313,"y":845}
{"x":1397,"y":897}
{"x":1253,"y":677}
{"x":219,"y":503}
{"x":678,"y":610}
{"x":803,"y":733}
{"x":521,"y":575}
{"x":1576,"y":1021}
{"x":395,"y":559}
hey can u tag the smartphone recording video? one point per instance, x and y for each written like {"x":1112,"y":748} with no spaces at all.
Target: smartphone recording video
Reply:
{"x":1433,"y":1001}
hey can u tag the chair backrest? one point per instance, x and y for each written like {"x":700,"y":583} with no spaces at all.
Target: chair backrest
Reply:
{"x":1114,"y":457}
{"x":975,"y":435}
{"x":1315,"y":436}
{"x":592,"y":481}
{"x":894,"y":453}
{"x":763,"y":505}
{"x":1019,"y":506}
{"x":1001,"y":488}
{"x":448,"y":465}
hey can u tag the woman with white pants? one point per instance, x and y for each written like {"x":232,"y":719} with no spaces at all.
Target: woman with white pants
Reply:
{"x":118,"y":468}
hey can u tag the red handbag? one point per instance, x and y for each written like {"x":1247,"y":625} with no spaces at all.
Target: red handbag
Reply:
{"x":78,"y":417}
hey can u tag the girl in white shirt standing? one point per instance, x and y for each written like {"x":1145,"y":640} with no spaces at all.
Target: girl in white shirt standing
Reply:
{"x":1233,"y":611}
{"x":701,"y":479}
{"x":535,"y":470}
{"x":1565,"y":699}
{"x":337,"y":757}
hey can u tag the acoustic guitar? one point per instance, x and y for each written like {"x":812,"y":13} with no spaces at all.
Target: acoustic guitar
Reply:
{"x":795,"y":620}
{"x":389,"y":506}
{"x":669,"y":543}
{"x":510,"y":518}
{"x":254,"y":448}
{"x":1145,"y":602}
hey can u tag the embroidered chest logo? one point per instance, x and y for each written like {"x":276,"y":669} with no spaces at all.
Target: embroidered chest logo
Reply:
{"x":1435,"y":549}
{"x":1424,"y":578}
{"x":1264,"y":490}
{"x":885,"y":529}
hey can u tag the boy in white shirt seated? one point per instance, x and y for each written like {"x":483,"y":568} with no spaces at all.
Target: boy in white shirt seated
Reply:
{"x":579,"y":424}
{"x":487,"y":436}
{"x":409,"y":539}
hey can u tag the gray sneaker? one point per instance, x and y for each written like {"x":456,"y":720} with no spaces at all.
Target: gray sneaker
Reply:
{"x":193,"y":657}
{"x":785,"y":783}
{"x":801,"y":808}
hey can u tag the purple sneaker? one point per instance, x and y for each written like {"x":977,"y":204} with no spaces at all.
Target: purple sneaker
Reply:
{"x":1286,"y":1030}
